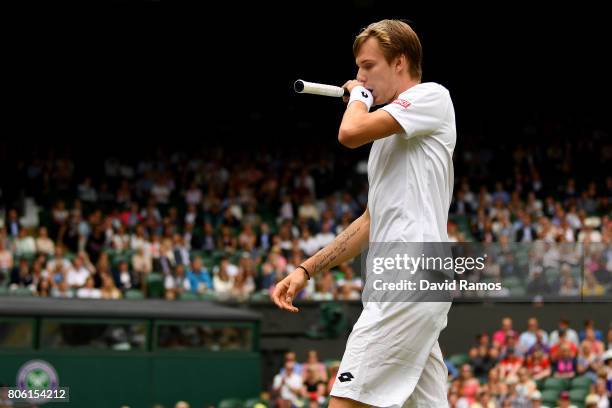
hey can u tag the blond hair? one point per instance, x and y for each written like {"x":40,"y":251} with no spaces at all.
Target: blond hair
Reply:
{"x":395,"y":38}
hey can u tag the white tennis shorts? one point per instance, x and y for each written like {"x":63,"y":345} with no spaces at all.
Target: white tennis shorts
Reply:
{"x":392,"y":357}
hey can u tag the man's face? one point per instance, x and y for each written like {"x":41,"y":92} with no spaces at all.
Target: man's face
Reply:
{"x":375,"y":72}
{"x":532,"y":325}
{"x":507,"y":324}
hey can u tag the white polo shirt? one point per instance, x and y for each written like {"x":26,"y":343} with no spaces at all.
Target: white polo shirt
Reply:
{"x":411,"y":174}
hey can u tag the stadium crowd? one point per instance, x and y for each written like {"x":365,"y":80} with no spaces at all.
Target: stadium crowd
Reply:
{"x":230,"y":223}
{"x":506,"y":367}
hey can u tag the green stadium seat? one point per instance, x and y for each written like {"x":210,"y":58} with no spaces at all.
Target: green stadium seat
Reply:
{"x":260,"y":297}
{"x":28,"y":257}
{"x":3,"y":290}
{"x":558,"y":384}
{"x":21,"y":292}
{"x":188,"y":295}
{"x":540,"y":383}
{"x":208,"y":295}
{"x":550,"y":397}
{"x":582,"y":381}
{"x":231,"y":403}
{"x":578,"y":395}
{"x":134,"y":294}
{"x":518,"y":291}
{"x":195,"y":253}
{"x":208,"y":262}
{"x":512,"y":282}
{"x":155,"y":285}
{"x":459,"y":359}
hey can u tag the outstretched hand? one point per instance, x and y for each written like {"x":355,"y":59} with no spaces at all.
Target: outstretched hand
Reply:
{"x":285,"y":290}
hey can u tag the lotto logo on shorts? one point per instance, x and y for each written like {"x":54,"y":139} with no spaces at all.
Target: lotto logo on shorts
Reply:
{"x":402,"y":102}
{"x":344,"y":377}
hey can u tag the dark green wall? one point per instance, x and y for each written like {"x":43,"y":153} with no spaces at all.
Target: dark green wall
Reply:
{"x":109,"y":380}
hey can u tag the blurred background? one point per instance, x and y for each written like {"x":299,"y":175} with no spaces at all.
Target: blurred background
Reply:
{"x":160,"y":176}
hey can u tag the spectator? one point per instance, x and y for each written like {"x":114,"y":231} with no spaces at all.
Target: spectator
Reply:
{"x":60,"y":218}
{"x":325,"y":236}
{"x":86,"y":191}
{"x":89,"y":291}
{"x":177,"y":283}
{"x":590,"y":324}
{"x":264,"y":240}
{"x":166,"y":257}
{"x":44,"y":244}
{"x":142,"y":263}
{"x":588,"y":362}
{"x":484,"y":400}
{"x":25,"y":244}
{"x":223,"y":284}
{"x":500,"y":336}
{"x":483,"y":360}
{"x":530,"y":337}
{"x":525,"y":386}
{"x":536,"y":399}
{"x":109,"y":290}
{"x":193,"y":196}
{"x":599,"y":395}
{"x":468,"y":385}
{"x":61,"y":290}
{"x":243,"y":285}
{"x":208,"y":239}
{"x":77,"y":273}
{"x":21,"y":276}
{"x":308,"y":244}
{"x":314,"y":387}
{"x":181,"y":252}
{"x":6,"y":262}
{"x":563,"y":342}
{"x":44,"y":288}
{"x":247,"y":238}
{"x":564,"y":400}
{"x":12,"y":225}
{"x":349,"y":285}
{"x":510,"y":365}
{"x":564,"y":365}
{"x":538,"y":365}
{"x":124,"y":278}
{"x":288,"y":386}
{"x":312,"y":362}
{"x":596,"y":345}
{"x":199,"y":278}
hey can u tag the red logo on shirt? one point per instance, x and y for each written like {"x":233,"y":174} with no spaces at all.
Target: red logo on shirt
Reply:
{"x":404,"y":103}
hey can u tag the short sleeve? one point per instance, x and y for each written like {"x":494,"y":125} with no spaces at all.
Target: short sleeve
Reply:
{"x":420,"y":110}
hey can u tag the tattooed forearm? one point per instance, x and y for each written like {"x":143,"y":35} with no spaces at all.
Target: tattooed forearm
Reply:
{"x":347,"y":245}
{"x":326,"y":256}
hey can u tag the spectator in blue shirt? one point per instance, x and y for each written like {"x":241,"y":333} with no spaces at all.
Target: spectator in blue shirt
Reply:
{"x":198,"y":277}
